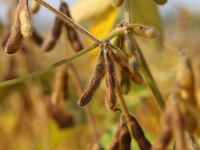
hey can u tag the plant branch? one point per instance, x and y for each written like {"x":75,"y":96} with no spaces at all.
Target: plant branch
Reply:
{"x":144,"y":66}
{"x":122,"y":103}
{"x":127,"y":14}
{"x":151,"y":82}
{"x":115,"y":32}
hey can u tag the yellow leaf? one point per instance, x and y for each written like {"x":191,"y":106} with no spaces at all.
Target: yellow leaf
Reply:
{"x":102,"y":27}
{"x":87,"y":10}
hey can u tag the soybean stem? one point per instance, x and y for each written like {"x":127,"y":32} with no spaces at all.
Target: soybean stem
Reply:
{"x":128,"y":6}
{"x":122,"y":103}
{"x":151,"y":82}
{"x":127,"y":14}
{"x":115,"y":32}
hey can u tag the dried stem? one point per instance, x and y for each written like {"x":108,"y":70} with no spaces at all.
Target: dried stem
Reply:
{"x":151,"y":81}
{"x":115,"y":32}
{"x":123,"y":104}
{"x":75,"y":79}
{"x":127,"y":14}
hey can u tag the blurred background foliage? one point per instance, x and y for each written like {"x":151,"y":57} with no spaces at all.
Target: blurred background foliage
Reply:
{"x":27,"y":120}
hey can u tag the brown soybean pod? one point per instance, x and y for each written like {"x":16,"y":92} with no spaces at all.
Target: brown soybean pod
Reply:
{"x":129,"y":44}
{"x":94,"y":81}
{"x":71,"y":32}
{"x":165,"y":134}
{"x":164,"y":137}
{"x":177,"y":120}
{"x":60,"y":87}
{"x":178,"y":124}
{"x":186,"y":81}
{"x":134,"y":63}
{"x":138,"y":134}
{"x":15,"y":41}
{"x":114,"y":145}
{"x":50,"y":42}
{"x":120,"y":57}
{"x":125,"y":81}
{"x":110,"y":78}
{"x":131,"y":48}
{"x":37,"y":38}
{"x":125,"y":137}
{"x":63,"y":118}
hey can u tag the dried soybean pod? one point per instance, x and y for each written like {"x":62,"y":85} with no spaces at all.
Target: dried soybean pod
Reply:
{"x":185,"y":76}
{"x":125,"y":83}
{"x":138,"y":134}
{"x":143,"y":31}
{"x":136,"y":78}
{"x":165,"y":134}
{"x":95,"y":80}
{"x":160,"y":2}
{"x":178,"y":124}
{"x":37,"y":38}
{"x":63,"y":118}
{"x":125,"y":137}
{"x":50,"y":42}
{"x":117,"y":3}
{"x":129,"y":42}
{"x":134,"y":63}
{"x":110,"y":78}
{"x":60,"y":87}
{"x":34,"y":6}
{"x":120,"y":57}
{"x":164,"y":137}
{"x":71,"y":32}
{"x":15,"y":41}
{"x":25,"y":19}
{"x":186,"y":81}
{"x":130,"y":46}
{"x":114,"y":145}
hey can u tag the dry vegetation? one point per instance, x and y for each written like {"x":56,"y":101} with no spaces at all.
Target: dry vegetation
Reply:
{"x":118,"y":110}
